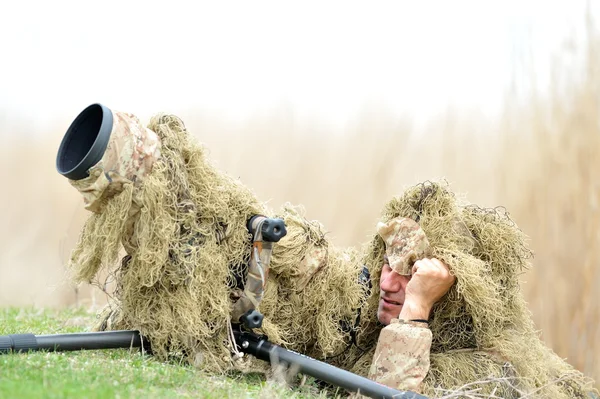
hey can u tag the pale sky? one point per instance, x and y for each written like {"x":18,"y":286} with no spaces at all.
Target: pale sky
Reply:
{"x":323,"y":59}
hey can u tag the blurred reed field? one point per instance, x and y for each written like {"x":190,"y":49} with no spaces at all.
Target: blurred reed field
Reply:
{"x":540,"y":160}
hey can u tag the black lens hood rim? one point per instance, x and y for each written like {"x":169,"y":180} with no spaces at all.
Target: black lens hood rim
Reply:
{"x":96,"y":151}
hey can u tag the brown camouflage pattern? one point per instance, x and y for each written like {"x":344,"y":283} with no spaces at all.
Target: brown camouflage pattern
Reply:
{"x":256,"y":281}
{"x":129,"y":156}
{"x":401,"y":359}
{"x":405,"y":243}
{"x":314,"y":259}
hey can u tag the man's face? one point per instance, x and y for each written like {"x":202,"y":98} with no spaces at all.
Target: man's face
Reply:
{"x":391,"y":293}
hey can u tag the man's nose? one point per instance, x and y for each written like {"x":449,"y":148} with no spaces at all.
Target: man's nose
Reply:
{"x":393,"y":282}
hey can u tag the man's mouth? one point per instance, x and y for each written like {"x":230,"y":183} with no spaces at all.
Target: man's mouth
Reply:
{"x":391,"y":302}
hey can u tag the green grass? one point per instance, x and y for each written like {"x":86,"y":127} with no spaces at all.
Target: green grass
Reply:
{"x":115,"y":373}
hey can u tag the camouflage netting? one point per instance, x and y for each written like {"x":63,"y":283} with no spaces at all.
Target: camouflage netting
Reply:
{"x":311,"y":316}
{"x":187,"y":245}
{"x":482,"y":329}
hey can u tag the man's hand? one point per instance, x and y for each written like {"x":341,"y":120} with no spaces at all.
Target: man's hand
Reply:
{"x":431,"y":280}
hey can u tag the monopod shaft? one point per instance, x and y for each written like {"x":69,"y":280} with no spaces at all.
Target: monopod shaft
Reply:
{"x":264,"y":350}
{"x":71,"y":342}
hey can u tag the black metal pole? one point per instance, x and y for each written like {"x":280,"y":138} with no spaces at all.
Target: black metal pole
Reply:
{"x":264,"y":350}
{"x":71,"y":342}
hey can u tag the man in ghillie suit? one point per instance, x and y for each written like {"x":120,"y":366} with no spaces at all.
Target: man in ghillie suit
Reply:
{"x":448,"y":312}
{"x":479,"y":337}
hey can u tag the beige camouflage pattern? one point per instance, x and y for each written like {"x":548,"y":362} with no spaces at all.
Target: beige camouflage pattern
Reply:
{"x":129,"y":156}
{"x":405,"y":243}
{"x":313,"y":261}
{"x":401,"y":359}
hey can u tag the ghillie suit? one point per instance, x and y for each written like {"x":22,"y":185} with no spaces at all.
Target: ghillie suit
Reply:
{"x":183,"y":227}
{"x":482,"y":329}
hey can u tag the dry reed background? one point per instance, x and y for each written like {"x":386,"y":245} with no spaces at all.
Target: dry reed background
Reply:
{"x":541,"y":160}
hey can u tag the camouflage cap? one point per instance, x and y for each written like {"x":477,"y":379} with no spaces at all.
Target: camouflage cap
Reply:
{"x":129,"y":156}
{"x":405,"y":243}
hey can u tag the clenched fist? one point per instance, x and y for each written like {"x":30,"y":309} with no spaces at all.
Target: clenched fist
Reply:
{"x":431,"y":279}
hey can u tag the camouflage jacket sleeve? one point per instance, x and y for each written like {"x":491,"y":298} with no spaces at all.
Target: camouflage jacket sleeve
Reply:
{"x":401,"y":358}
